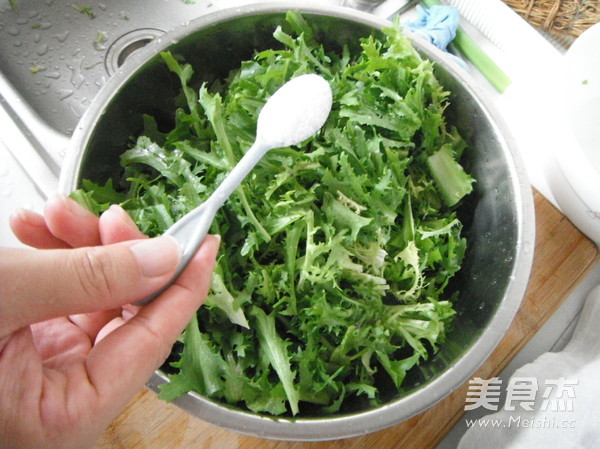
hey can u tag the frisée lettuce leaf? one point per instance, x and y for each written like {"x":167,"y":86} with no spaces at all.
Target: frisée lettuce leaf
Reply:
{"x":332,"y":278}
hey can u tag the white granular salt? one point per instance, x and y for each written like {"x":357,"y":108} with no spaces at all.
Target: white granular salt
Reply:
{"x":295,"y":112}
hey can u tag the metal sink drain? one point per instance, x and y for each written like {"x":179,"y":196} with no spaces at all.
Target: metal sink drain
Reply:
{"x":126,"y":45}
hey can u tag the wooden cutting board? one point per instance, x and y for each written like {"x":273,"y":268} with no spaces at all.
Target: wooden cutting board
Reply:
{"x":563,"y":256}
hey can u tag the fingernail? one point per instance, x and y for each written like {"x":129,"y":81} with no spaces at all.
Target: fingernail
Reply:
{"x":129,"y":311}
{"x":118,"y":211}
{"x":27,"y":216}
{"x":75,"y":208}
{"x":157,"y":256}
{"x":70,"y":204}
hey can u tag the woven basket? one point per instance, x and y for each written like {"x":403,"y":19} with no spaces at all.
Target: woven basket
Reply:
{"x":562,"y":18}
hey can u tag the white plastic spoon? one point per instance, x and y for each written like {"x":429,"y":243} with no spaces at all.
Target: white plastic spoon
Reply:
{"x":291,"y":115}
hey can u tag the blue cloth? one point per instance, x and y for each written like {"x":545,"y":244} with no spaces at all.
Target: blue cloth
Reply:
{"x":437,"y":25}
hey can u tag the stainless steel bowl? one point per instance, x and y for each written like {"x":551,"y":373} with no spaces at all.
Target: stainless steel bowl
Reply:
{"x":499,"y":215}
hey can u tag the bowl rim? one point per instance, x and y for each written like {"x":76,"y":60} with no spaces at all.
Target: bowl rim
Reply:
{"x":572,"y":160}
{"x":421,"y":399}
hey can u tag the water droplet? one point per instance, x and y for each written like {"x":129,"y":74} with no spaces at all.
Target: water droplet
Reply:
{"x":102,"y":6}
{"x":53,"y":75}
{"x":76,"y":108}
{"x":13,"y":30}
{"x":33,"y":14}
{"x":63,"y":94}
{"x":18,"y":43}
{"x":62,"y":36}
{"x":37,"y":37}
{"x":45,"y":25}
{"x":42,"y":49}
{"x":77,"y":78}
{"x":21,"y":21}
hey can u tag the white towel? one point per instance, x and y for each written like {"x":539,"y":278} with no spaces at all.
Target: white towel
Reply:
{"x":565,"y":407}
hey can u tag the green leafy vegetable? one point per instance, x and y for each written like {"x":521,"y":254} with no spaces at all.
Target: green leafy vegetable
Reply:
{"x":451,"y":180}
{"x":85,"y":9}
{"x":336,"y":255}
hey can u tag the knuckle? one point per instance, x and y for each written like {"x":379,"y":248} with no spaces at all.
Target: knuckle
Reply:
{"x":94,"y":273}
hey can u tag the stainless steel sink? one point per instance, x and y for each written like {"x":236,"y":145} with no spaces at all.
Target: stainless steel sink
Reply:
{"x":55,"y":56}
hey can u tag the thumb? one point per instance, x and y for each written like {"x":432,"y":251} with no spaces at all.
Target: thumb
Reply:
{"x":37,"y":285}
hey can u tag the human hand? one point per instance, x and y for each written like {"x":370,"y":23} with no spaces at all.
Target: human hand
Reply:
{"x":73,"y":352}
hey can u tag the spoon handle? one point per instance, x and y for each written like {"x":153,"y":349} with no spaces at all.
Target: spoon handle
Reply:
{"x":191,"y":230}
{"x":239,"y":172}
